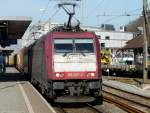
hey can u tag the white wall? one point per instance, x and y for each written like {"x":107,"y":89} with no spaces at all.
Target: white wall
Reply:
{"x":117,"y":39}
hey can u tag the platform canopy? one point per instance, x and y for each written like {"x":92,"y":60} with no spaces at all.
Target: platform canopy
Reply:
{"x":12,"y":28}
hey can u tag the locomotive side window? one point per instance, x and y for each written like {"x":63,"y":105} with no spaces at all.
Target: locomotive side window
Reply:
{"x":84,"y":45}
{"x":63,"y":45}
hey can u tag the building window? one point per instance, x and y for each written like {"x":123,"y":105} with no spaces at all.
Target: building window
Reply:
{"x":107,"y":38}
{"x":102,"y":45}
{"x":98,"y":36}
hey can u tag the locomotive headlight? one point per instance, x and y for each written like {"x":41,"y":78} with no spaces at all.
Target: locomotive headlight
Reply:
{"x":57,"y":75}
{"x":92,"y":74}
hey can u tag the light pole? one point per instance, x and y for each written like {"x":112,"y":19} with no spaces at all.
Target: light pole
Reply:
{"x":145,"y":47}
{"x":145,"y":55}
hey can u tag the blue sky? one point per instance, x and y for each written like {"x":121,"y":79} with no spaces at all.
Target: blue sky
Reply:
{"x":91,"y":8}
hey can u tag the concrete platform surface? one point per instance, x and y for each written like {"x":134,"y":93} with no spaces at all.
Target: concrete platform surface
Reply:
{"x":127,"y":87}
{"x":20,"y":96}
{"x":11,"y":99}
{"x":11,"y":70}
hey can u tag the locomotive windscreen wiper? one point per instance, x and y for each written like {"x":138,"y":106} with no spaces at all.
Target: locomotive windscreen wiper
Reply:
{"x":81,"y":52}
{"x":65,"y":54}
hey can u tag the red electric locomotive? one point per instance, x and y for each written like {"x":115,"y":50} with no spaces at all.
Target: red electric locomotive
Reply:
{"x":65,"y":64}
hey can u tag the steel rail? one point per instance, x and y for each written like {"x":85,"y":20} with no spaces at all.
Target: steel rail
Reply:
{"x":136,"y":99}
{"x":119,"y":89}
{"x":122,"y":105}
{"x":113,"y":97}
{"x":62,"y":109}
{"x":93,"y":108}
{"x":126,"y":99}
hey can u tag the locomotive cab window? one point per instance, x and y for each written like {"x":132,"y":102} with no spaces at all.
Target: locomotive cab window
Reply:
{"x":63,"y":45}
{"x":84,"y":45}
{"x":74,"y":45}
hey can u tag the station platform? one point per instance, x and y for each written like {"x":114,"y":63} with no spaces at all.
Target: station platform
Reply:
{"x":19,"y":96}
{"x":145,"y":92}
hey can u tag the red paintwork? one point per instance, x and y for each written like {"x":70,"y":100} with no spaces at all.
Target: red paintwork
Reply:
{"x":73,"y":35}
{"x":98,"y":57}
{"x":49,"y":54}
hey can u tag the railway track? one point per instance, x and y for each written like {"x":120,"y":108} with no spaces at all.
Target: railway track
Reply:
{"x":126,"y":101}
{"x":61,"y":109}
{"x":132,"y":103}
{"x":85,"y":108}
{"x":122,"y":105}
{"x":93,"y":108}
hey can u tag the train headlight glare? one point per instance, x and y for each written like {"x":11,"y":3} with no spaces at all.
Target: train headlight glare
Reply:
{"x":57,"y":75}
{"x":92,"y":74}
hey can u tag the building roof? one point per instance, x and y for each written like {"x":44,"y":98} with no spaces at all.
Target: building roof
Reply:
{"x":136,"y":42}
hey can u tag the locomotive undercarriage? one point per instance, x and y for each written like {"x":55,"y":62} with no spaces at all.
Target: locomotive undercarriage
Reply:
{"x":78,"y":91}
{"x":76,"y":88}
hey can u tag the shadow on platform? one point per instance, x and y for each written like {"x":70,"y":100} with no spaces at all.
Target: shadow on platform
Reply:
{"x":12,"y":77}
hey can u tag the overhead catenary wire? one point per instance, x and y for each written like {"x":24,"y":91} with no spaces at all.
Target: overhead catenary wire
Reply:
{"x":50,"y":18}
{"x":64,"y":0}
{"x":43,"y":13}
{"x":54,"y":13}
{"x":47,"y":5}
{"x":73,"y":16}
{"x":98,"y":6}
{"x":116,"y":16}
{"x":121,"y":15}
{"x":45,"y":9}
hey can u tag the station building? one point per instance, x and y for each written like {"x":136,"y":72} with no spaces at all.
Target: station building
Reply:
{"x":136,"y":45}
{"x":113,"y":41}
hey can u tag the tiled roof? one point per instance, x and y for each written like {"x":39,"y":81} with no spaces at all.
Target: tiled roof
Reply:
{"x":136,"y":42}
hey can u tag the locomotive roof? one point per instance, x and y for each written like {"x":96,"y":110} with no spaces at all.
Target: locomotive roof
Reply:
{"x":84,"y":34}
